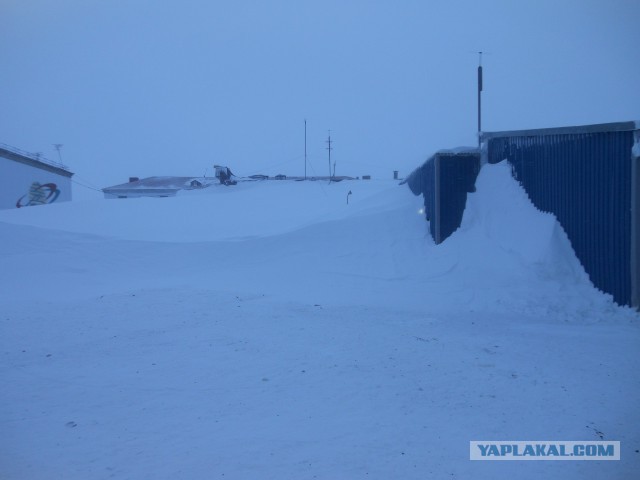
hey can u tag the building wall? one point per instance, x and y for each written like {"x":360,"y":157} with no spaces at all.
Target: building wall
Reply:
{"x":24,"y":185}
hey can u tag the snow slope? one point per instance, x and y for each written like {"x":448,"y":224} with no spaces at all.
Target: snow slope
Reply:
{"x":249,"y":209}
{"x":273,"y":331}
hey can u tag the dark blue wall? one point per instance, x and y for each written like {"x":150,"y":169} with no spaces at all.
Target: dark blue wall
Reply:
{"x":445,"y":194}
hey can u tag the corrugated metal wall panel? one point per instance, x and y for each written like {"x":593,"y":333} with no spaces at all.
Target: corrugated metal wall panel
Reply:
{"x":458,"y":175}
{"x":444,"y":181}
{"x":635,"y":221}
{"x":421,"y":182}
{"x":584,"y":179}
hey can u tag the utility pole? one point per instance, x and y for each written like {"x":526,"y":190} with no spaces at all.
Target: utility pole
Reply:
{"x":479,"y":98}
{"x":305,"y":148}
{"x":329,"y":148}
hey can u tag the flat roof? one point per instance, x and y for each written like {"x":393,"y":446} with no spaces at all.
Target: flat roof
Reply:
{"x":151,"y":184}
{"x":32,"y":160}
{"x":600,"y":127}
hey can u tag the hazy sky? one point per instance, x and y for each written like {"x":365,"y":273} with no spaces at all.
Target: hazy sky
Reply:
{"x":168,"y":87}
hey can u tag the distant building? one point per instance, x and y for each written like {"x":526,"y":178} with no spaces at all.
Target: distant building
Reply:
{"x":27,"y":179}
{"x":155,"y":187}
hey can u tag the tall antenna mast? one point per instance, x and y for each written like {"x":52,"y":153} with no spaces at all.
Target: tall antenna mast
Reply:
{"x":479,"y":97}
{"x":305,"y":148}
{"x":329,"y":148}
{"x":58,"y":146}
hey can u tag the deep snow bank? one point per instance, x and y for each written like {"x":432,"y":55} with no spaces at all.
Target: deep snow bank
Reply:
{"x":504,"y":215}
{"x":249,"y":209}
{"x":502,"y":227}
{"x":300,"y":240}
{"x":507,"y":253}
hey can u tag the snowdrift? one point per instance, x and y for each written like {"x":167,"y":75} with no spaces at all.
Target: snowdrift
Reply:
{"x":275,"y":331}
{"x":302,"y":240}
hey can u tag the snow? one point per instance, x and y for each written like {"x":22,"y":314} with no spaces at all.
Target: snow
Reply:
{"x":271,"y":330}
{"x":249,"y":209}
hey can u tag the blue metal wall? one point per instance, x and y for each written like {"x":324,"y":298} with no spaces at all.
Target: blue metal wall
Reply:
{"x":421,"y":182}
{"x":584,"y":179}
{"x":444,"y":181}
{"x":457,"y":176}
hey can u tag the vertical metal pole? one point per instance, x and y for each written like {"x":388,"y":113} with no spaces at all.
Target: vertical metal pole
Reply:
{"x":58,"y":146}
{"x":305,"y":148}
{"x":479,"y":97}
{"x":329,"y":148}
{"x":635,"y":223}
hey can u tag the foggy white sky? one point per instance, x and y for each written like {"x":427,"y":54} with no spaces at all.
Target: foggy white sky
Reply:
{"x":147,"y":87}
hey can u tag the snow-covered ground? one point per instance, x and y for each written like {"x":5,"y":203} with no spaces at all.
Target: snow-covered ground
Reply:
{"x":271,"y":330}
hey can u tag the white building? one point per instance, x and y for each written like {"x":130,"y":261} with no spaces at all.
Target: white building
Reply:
{"x":27,"y":180}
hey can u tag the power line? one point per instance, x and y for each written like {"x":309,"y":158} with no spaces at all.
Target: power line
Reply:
{"x":84,"y":180}
{"x":85,"y":186}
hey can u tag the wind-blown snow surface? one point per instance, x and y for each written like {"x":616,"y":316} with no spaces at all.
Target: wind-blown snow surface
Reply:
{"x":270,"y":330}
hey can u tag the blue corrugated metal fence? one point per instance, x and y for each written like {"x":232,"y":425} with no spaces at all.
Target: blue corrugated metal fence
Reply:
{"x":444,"y":181}
{"x":583,"y":175}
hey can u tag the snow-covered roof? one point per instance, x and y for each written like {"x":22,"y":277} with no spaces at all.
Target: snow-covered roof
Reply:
{"x":161,"y":183}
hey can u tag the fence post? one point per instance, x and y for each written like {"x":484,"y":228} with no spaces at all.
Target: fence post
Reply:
{"x":635,"y":221}
{"x":436,"y":209}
